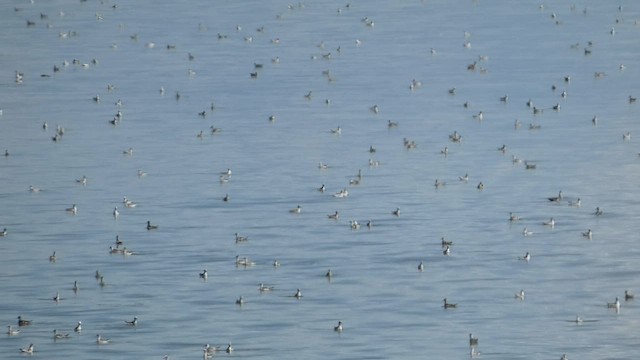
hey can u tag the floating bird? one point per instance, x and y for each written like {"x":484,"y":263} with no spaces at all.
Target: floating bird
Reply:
{"x":78,"y":327}
{"x":296,"y":210}
{"x":526,"y":257}
{"x":57,"y":335}
{"x":75,"y":287}
{"x":263,"y":287}
{"x":628,"y":296}
{"x":298,"y":294}
{"x":240,"y":238}
{"x":556,"y":198}
{"x":56,"y":298}
{"x":421,"y":266}
{"x":73,"y":209}
{"x":11,"y":331}
{"x":334,"y":216}
{"x":588,"y":234}
{"x":448,"y":305}
{"x":23,"y":322}
{"x":53,"y":257}
{"x":614,"y":305}
{"x":328,"y":274}
{"x":447,"y":251}
{"x":513,"y":217}
{"x":240,"y":301}
{"x":550,"y":223}
{"x":338,"y":327}
{"x":473,"y":341}
{"x":204,"y":274}
{"x":598,"y":211}
{"x":527,"y":232}
{"x":229,"y":349}
{"x":82,"y":181}
{"x":27,"y":350}
{"x":116,"y":213}
{"x":150,"y":226}
{"x":520,"y":295}
{"x":101,"y":341}
{"x":133,"y":322}
{"x":396,"y":212}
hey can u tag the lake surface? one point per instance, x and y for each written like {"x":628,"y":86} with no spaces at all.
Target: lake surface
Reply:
{"x":414,"y":61}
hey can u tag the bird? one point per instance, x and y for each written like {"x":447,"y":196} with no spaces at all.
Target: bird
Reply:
{"x":151,"y":227}
{"x":513,"y":217}
{"x":322,"y":188}
{"x":75,"y":287}
{"x":338,"y":327}
{"x":598,"y":211}
{"x":263,"y":287}
{"x":527,"y":232}
{"x":73,"y":209}
{"x":34,"y":189}
{"x":204,"y":274}
{"x":329,"y":274}
{"x":588,"y":234}
{"x":628,"y":296}
{"x":116,"y":213}
{"x":11,"y":331}
{"x":396,"y":212}
{"x":56,"y":298}
{"x":240,"y":238}
{"x":614,"y":305}
{"x":78,"y":327}
{"x":526,"y":257}
{"x":556,"y":198}
{"x":564,"y":357}
{"x":23,"y":322}
{"x":53,"y":257}
{"x":520,"y":295}
{"x":421,"y":266}
{"x":101,"y":341}
{"x":448,"y":305}
{"x":57,"y":335}
{"x":133,"y":322}
{"x":296,"y":210}
{"x":551,"y":222}
{"x":82,"y":181}
{"x":3,"y":233}
{"x":334,"y":216}
{"x":229,"y":349}
{"x":576,"y":203}
{"x":226,"y":198}
{"x":240,"y":301}
{"x":447,"y":251}
{"x":444,"y":242}
{"x":473,"y":341}
{"x":27,"y":350}
{"x":298,"y":294}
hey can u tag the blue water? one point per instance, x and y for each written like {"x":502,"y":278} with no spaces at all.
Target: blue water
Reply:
{"x":388,"y":307}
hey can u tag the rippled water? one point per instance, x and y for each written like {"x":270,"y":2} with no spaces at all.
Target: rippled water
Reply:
{"x":388,"y":307}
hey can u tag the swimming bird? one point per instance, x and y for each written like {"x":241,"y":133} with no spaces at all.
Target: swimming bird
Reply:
{"x":614,"y":305}
{"x":116,"y":213}
{"x":598,"y":211}
{"x":444,"y":242}
{"x":473,"y":341}
{"x":263,"y":287}
{"x":34,"y":189}
{"x":479,"y":116}
{"x":210,"y":350}
{"x":520,"y":295}
{"x":75,"y":287}
{"x":240,"y":301}
{"x":480,"y":186}
{"x":551,"y":222}
{"x":369,"y":224}
{"x":354,"y":225}
{"x":240,"y":238}
{"x":556,"y":198}
{"x":141,"y":173}
{"x":334,"y":216}
{"x":588,"y":234}
{"x":101,"y":282}
{"x":229,"y":349}
{"x":133,"y":322}
{"x":204,"y":274}
{"x":56,"y":298}
{"x":447,"y":251}
{"x":298,"y":294}
{"x":576,"y":203}
{"x":27,"y":350}
{"x":82,"y":181}
{"x":151,"y":227}
{"x":52,"y":257}
{"x":322,"y":188}
{"x":338,"y":327}
{"x":526,"y":257}
{"x":78,"y":327}
{"x":101,"y":341}
{"x":513,"y":217}
{"x":464,"y":178}
{"x":276,"y":263}
{"x":421,"y":266}
{"x":396,"y":212}
{"x":628,"y":296}
{"x":296,"y":210}
{"x":73,"y":209}
{"x":3,"y":233}
{"x":448,"y":305}
{"x":337,"y":131}
{"x":564,"y":357}
{"x":23,"y":322}
{"x":129,"y":151}
{"x":328,"y":274}
{"x":527,"y":232}
{"x":57,"y":336}
{"x":226,"y":198}
{"x":11,"y":331}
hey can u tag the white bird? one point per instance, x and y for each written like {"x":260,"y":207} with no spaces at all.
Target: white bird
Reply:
{"x":229,"y":349}
{"x":447,"y":251}
{"x":133,"y":322}
{"x":520,"y":295}
{"x":513,"y":217}
{"x":73,"y":209}
{"x":263,"y":287}
{"x":527,"y":232}
{"x":101,"y":341}
{"x":526,"y":257}
{"x":338,"y":327}
{"x":421,"y":266}
{"x":473,"y":341}
{"x":12,"y":332}
{"x":296,"y":210}
{"x":57,"y":335}
{"x":551,"y":222}
{"x":78,"y":327}
{"x":298,"y":294}
{"x":116,"y":213}
{"x":27,"y":350}
{"x":588,"y":234}
{"x":204,"y":274}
